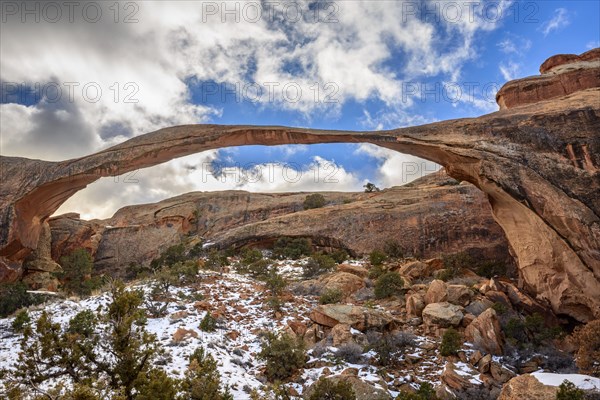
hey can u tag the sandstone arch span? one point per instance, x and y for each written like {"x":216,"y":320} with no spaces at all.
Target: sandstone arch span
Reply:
{"x":537,"y":160}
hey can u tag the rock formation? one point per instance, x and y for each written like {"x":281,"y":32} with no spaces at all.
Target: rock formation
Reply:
{"x":430,"y":217}
{"x":536,"y":159}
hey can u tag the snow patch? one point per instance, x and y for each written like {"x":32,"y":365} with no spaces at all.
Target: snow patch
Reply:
{"x":585,"y":382}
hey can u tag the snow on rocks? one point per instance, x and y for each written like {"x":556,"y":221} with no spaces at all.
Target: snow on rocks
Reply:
{"x":584,"y":382}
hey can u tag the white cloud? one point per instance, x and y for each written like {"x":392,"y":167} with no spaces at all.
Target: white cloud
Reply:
{"x":174,"y":45}
{"x":397,"y":168}
{"x":509,"y":70}
{"x":593,"y":44}
{"x":558,"y":21}
{"x":392,"y":119}
{"x":194,"y":173}
{"x":515,"y":44}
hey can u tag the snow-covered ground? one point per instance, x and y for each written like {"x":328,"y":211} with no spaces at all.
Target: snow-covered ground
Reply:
{"x":243,"y":315}
{"x":240,"y":303}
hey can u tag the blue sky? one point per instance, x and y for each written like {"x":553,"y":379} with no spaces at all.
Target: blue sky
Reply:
{"x":376,"y":64}
{"x":522,"y":41}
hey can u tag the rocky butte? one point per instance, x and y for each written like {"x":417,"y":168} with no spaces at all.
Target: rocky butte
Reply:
{"x":536,"y":160}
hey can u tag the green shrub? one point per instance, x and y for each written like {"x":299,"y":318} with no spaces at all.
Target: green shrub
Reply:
{"x":77,"y":353}
{"x":388,"y":284}
{"x":318,"y":264}
{"x":250,"y":256}
{"x":176,"y":274}
{"x":283,"y":355}
{"x":376,"y":271}
{"x":292,"y":248}
{"x":514,"y":329}
{"x":14,"y":296}
{"x":393,"y":249}
{"x":315,"y":200}
{"x":164,"y":278}
{"x":202,"y":380}
{"x":76,"y":273}
{"x":568,"y":391}
{"x":587,"y":340}
{"x":331,"y":296}
{"x":260,"y":269}
{"x":275,"y":283}
{"x":451,"y":342}
{"x":339,"y":255}
{"x":490,"y":269}
{"x":500,"y":308}
{"x":197,"y":251}
{"x":21,"y":321}
{"x":532,"y":329}
{"x":388,"y":346}
{"x":275,"y":304}
{"x":453,"y":263}
{"x":425,"y":392}
{"x":83,"y":323}
{"x":216,"y":260}
{"x":82,"y":392}
{"x":208,"y":323}
{"x":185,"y":270}
{"x":172,"y":255}
{"x":156,"y":385}
{"x":377,"y":258}
{"x":326,"y":389}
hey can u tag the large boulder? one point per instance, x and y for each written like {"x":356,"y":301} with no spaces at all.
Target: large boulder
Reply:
{"x":346,"y":282}
{"x":459,"y":295}
{"x":443,"y":314}
{"x":361,"y":318}
{"x":415,"y":270}
{"x":341,"y":334}
{"x":478,"y":306}
{"x":437,"y":292}
{"x":415,"y":303}
{"x":460,"y":376}
{"x":485,"y":332}
{"x":357,"y":270}
{"x":309,"y":287}
{"x":527,"y":387}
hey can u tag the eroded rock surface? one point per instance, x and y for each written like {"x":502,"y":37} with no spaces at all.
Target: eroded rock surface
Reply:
{"x":428,"y":218}
{"x":536,"y":159}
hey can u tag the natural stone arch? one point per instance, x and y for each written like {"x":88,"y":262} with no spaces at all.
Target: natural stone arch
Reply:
{"x":537,"y":162}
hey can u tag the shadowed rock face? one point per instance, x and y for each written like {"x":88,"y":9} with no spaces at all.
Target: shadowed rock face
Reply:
{"x":536,"y":159}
